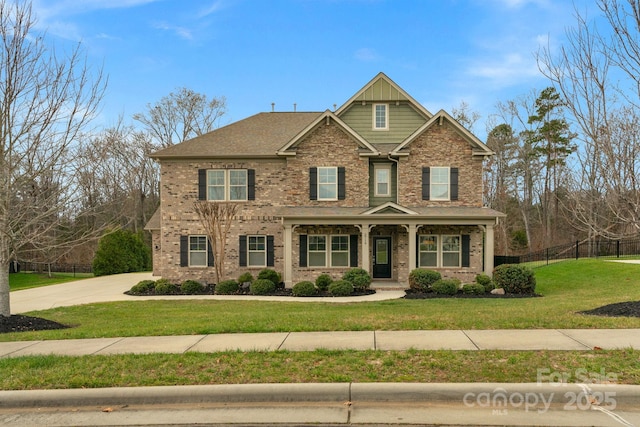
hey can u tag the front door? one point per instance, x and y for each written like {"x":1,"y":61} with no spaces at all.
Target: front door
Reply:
{"x":382,"y":257}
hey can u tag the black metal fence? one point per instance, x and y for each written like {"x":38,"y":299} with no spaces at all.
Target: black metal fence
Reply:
{"x":43,"y":268}
{"x":580,"y":249}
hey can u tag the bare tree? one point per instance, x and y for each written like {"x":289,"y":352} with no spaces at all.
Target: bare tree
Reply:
{"x":465,"y":116}
{"x":180,"y":116}
{"x":46,"y":100}
{"x":586,"y":71}
{"x":216,"y":218}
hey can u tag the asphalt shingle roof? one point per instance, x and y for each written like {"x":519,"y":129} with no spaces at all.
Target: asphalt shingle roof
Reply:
{"x":256,"y":136}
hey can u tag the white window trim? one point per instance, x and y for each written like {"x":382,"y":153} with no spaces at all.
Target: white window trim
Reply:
{"x":249,"y":251}
{"x":431,"y":184}
{"x":318,"y":183}
{"x":206,"y":252}
{"x":328,"y":251}
{"x":227,"y":185}
{"x":441,"y":252}
{"x":376,"y":168}
{"x":386,"y":117}
{"x":437,"y":252}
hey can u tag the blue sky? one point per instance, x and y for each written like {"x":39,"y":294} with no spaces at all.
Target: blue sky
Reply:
{"x":315,"y":53}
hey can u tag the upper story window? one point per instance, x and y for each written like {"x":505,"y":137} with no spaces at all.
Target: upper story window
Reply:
{"x":227,"y":184}
{"x":380,"y":117}
{"x":327,"y":183}
{"x":439,"y":184}
{"x":382,"y":174}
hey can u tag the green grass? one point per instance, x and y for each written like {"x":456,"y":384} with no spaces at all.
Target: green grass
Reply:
{"x":19,"y":281}
{"x":567,"y":287}
{"x":52,"y":372}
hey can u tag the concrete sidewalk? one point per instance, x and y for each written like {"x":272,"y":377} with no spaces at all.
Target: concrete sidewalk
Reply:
{"x":521,"y":339}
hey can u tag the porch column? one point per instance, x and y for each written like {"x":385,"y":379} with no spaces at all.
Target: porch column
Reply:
{"x":412,"y":230}
{"x":488,"y":250}
{"x":366,"y":251}
{"x":287,"y":256}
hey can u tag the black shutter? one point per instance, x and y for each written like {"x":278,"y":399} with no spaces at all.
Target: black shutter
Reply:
{"x":210,"y":260}
{"x":453,"y":183}
{"x":353,"y":250}
{"x":251,"y":184}
{"x":466,"y":250}
{"x":184,"y":251}
{"x":303,"y":250}
{"x":242,"y":251}
{"x":271,"y":261}
{"x":202,"y":184}
{"x":426,"y":182}
{"x":313,"y":183}
{"x":342,"y":192}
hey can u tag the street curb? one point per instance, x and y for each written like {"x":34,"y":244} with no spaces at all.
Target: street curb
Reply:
{"x":627,"y":396}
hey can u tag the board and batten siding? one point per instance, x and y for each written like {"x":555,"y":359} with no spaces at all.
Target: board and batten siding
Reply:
{"x":403,"y":121}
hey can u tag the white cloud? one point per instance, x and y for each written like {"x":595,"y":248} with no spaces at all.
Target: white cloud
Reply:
{"x":506,"y":69}
{"x":181,"y":32}
{"x":367,"y":55}
{"x":212,"y":8}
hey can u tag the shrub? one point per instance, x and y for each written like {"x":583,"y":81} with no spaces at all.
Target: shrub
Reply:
{"x":121,"y":251}
{"x":262,"y":287}
{"x":227,"y":287}
{"x":164,"y":287}
{"x":514,"y":279}
{"x":143,"y":287}
{"x":269,"y":274}
{"x":304,"y":289}
{"x":245,"y":277}
{"x":191,"y":287}
{"x":323,"y":281}
{"x":340,"y":288}
{"x":446,"y":286}
{"x":473,"y":289}
{"x":422,"y":279}
{"x":358,"y":277}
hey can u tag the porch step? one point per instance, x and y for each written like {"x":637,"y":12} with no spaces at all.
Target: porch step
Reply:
{"x":388,"y":286}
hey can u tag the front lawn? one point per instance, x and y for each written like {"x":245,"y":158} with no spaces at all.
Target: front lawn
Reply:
{"x":567,"y":289}
{"x":19,"y":281}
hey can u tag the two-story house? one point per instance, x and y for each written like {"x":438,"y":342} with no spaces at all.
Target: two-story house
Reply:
{"x":380,"y":183}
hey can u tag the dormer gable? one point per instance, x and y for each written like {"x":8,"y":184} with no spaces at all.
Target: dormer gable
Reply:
{"x":327,"y":118}
{"x":478,"y":148}
{"x":389,"y":208}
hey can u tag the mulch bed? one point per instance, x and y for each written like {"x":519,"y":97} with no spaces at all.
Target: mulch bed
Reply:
{"x":279,"y":292}
{"x":19,"y":323}
{"x":620,"y":309}
{"x":410,"y":294}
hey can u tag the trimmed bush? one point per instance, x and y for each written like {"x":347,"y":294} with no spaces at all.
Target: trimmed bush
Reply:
{"x":262,"y":287}
{"x":121,"y":251}
{"x":191,"y":287}
{"x":340,"y":288}
{"x":472,"y":289}
{"x":143,"y":287}
{"x":304,"y":289}
{"x":514,"y":279}
{"x":246,"y":277}
{"x":421,"y":279}
{"x":323,"y":281}
{"x":227,"y":287}
{"x":270,"y":274}
{"x":164,"y":287}
{"x":485,"y":281}
{"x":358,"y":277}
{"x":446,"y":286}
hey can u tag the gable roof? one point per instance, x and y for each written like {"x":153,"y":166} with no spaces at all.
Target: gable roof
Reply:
{"x":260,"y":135}
{"x":382,"y":89}
{"x":479,"y":148}
{"x":326,"y":116}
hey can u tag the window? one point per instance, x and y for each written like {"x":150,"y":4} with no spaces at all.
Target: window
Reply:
{"x":439,"y":184}
{"x":197,"y":251}
{"x":382,"y":175}
{"x":440,"y":251}
{"x":328,"y":183}
{"x":380,"y":117}
{"x":317,"y":251}
{"x":227,"y":184}
{"x":339,"y":251}
{"x":257,"y":248}
{"x":428,"y":251}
